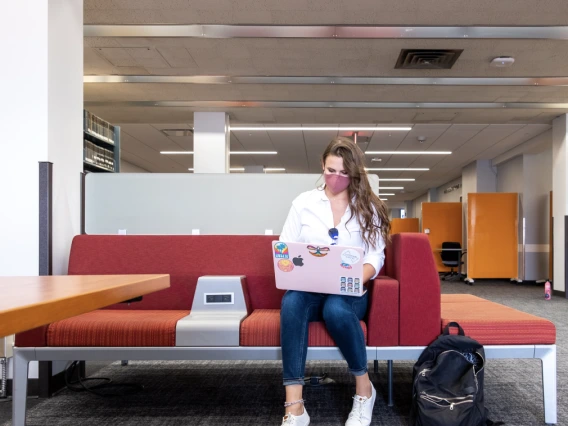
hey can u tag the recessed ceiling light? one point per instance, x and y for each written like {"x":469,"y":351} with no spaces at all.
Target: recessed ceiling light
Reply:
{"x":391,"y":187}
{"x":386,"y":193}
{"x":321,"y":129}
{"x":397,"y":169}
{"x":177,"y":152}
{"x":384,"y":199}
{"x":253,"y":152}
{"x":267,"y":169}
{"x":397,"y":180}
{"x":231,"y":152}
{"x":408,"y":153}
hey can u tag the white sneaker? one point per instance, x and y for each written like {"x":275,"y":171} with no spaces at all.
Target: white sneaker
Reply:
{"x":362,"y":410}
{"x":290,"y":419}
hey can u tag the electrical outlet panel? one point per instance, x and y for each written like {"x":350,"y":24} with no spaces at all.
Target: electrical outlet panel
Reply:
{"x":219,"y":298}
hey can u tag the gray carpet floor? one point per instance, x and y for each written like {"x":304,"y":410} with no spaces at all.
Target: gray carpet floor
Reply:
{"x":207,"y":393}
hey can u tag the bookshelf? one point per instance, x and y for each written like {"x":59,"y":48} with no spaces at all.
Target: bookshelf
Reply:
{"x":101,"y":145}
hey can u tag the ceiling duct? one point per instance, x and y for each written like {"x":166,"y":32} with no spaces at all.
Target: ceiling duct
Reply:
{"x":178,"y":132}
{"x":427,"y":59}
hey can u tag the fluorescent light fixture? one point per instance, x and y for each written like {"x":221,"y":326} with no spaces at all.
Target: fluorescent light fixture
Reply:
{"x":253,"y":152}
{"x":386,"y":194}
{"x":242,"y":169}
{"x":397,"y":180}
{"x":408,"y":152}
{"x":177,"y":152}
{"x":398,"y":169}
{"x":321,"y":129}
{"x":391,"y":187}
{"x":384,"y":199}
{"x":231,"y":152}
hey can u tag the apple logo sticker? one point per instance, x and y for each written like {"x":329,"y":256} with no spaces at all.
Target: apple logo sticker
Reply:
{"x":298,"y":261}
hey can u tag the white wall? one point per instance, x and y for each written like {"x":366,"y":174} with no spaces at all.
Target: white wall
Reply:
{"x":126,"y":167}
{"x":530,"y":176}
{"x":417,"y":213}
{"x":536,"y":210}
{"x":450,"y":197}
{"x":510,"y":176}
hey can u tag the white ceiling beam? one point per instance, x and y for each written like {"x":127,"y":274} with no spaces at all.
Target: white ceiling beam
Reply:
{"x":329,"y":31}
{"x":319,"y":80}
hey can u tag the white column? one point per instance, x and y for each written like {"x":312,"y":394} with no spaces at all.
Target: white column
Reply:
{"x":559,"y":198}
{"x":41,"y":120}
{"x":41,"y":117}
{"x":211,"y":142}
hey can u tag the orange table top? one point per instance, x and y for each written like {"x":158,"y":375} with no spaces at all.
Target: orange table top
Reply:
{"x":29,"y":302}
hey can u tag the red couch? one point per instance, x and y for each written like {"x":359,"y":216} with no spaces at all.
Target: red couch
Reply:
{"x":404,"y":306}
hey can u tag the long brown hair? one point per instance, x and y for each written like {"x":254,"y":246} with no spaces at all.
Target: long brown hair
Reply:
{"x":362,"y":200}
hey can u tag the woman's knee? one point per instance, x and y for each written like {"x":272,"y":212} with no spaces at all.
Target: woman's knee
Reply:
{"x":336,"y":309}
{"x":292,"y":301}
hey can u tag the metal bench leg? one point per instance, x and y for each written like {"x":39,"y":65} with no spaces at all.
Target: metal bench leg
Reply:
{"x":20,"y":387}
{"x":390,"y":384}
{"x":547,"y":355}
{"x":376,"y":366}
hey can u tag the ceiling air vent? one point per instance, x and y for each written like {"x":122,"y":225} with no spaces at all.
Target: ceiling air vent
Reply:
{"x":426,"y":59}
{"x":177,"y":132}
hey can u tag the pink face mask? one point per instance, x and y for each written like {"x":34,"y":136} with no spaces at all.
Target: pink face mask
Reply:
{"x":336,"y":183}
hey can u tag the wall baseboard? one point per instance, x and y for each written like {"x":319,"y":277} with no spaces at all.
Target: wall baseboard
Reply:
{"x":559,"y":293}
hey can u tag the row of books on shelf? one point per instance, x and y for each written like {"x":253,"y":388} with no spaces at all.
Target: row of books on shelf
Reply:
{"x":98,"y":156}
{"x":99,"y":128}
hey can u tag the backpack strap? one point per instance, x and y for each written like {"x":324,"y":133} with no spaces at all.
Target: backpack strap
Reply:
{"x":453,"y":324}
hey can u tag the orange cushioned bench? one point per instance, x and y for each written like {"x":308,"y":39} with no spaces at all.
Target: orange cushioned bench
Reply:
{"x":491,"y":323}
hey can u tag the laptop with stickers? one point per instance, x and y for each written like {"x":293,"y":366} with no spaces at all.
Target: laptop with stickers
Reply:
{"x":330,"y":269}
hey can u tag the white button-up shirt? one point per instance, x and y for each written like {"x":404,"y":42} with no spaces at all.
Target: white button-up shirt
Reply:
{"x":311,"y":218}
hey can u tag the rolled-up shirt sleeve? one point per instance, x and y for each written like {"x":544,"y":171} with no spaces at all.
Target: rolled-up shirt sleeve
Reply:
{"x":375,"y":256}
{"x":292,"y":226}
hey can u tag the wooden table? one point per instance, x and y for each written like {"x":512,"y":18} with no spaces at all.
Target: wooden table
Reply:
{"x":29,"y":302}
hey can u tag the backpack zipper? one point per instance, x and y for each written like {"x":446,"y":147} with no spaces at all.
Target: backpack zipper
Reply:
{"x":468,"y":399}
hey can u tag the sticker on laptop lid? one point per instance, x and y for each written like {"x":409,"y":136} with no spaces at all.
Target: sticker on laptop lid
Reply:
{"x":318,"y":251}
{"x":346,"y":266}
{"x":281,"y":251}
{"x":285,"y":265}
{"x":350,"y":256}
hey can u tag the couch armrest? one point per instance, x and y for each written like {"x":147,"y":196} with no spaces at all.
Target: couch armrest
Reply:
{"x":411,"y":263}
{"x":36,"y":337}
{"x":382,"y":313}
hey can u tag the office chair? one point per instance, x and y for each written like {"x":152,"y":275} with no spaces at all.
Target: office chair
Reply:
{"x":451,"y":256}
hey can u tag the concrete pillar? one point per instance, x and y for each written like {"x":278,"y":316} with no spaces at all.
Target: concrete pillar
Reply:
{"x":41,"y":116}
{"x":560,"y":199}
{"x":211,"y":142}
{"x":433,"y":195}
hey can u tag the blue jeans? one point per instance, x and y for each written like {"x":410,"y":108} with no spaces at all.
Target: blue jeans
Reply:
{"x":341,"y":315}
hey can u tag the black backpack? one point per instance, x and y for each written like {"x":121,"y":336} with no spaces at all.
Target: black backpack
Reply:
{"x":448,"y":383}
